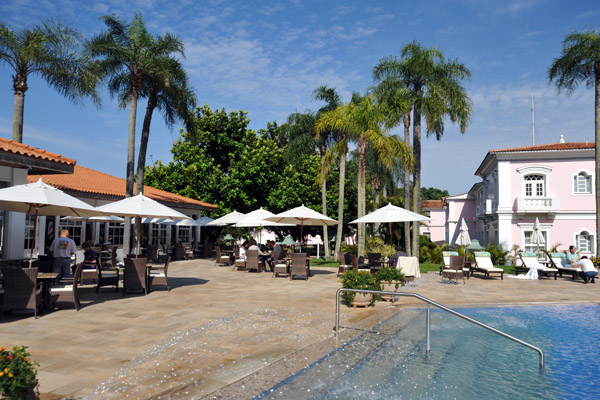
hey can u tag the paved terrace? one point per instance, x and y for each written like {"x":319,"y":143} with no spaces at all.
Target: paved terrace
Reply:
{"x":225,"y":334}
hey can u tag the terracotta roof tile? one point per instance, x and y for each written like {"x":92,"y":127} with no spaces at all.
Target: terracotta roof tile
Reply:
{"x":432,"y":204}
{"x":11,"y":146}
{"x":550,"y":146}
{"x":87,"y":180}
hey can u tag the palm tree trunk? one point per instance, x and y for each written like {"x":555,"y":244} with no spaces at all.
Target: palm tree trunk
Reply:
{"x":417,"y":177}
{"x":376,"y":186}
{"x":130,"y":166}
{"x":340,"y":226}
{"x":141,"y":164}
{"x":19,"y":87}
{"x":361,"y":194}
{"x":407,"y":183}
{"x":597,"y":151}
{"x":324,"y":206}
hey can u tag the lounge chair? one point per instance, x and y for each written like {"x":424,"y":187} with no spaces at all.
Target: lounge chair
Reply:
{"x":134,"y":277}
{"x":159,"y":275}
{"x":298,"y":267}
{"x":559,"y":261}
{"x":67,"y":293}
{"x":530,"y":260}
{"x":455,"y":269}
{"x":446,"y":257}
{"x":21,"y":290}
{"x":483,"y":261}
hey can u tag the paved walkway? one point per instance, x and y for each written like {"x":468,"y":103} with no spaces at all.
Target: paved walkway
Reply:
{"x":215,"y":332}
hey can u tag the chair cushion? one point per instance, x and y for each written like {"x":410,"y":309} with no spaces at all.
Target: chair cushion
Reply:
{"x":65,"y":288}
{"x":157,"y":275}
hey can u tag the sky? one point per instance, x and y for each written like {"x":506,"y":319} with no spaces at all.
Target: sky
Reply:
{"x":267,"y":57}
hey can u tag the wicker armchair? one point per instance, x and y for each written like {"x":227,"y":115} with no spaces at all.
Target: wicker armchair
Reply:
{"x":107,"y":275}
{"x":67,"y":293}
{"x":134,"y":277}
{"x":21,"y":290}
{"x":278,"y":267}
{"x":159,"y":276}
{"x":456,"y":269}
{"x":152,"y":253}
{"x":221,"y":259}
{"x":298,"y":268}
{"x":344,"y":261}
{"x":252,"y":261}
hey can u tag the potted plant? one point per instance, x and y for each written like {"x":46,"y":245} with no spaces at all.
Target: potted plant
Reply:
{"x":17,"y":374}
{"x":390,"y":280}
{"x":355,"y":279}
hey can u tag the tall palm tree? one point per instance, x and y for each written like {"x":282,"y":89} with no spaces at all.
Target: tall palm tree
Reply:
{"x":362,"y":119}
{"x":167,"y":89}
{"x":126,"y":55}
{"x":435,"y":85}
{"x":332,"y":101}
{"x":578,"y":63}
{"x":49,"y":50}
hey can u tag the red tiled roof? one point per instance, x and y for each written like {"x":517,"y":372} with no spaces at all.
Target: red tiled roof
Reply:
{"x":89,"y":181}
{"x":432,"y":204}
{"x":550,"y":146}
{"x":11,"y":146}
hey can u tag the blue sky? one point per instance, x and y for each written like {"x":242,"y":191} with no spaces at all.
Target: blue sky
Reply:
{"x":267,"y":58}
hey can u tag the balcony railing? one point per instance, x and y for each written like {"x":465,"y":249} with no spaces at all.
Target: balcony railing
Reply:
{"x":537,"y":204}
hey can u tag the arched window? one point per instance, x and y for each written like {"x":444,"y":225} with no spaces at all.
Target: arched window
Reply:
{"x":534,"y":185}
{"x":582,"y":183}
{"x":583,"y":242}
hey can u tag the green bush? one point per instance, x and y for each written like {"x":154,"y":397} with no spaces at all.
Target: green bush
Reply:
{"x":389,"y":275}
{"x":349,"y":249}
{"x":355,"y":279}
{"x":497,"y":253}
{"x":376,"y":245}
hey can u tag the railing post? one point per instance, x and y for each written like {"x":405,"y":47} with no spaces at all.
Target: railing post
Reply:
{"x":337,"y":314}
{"x":428,"y":347}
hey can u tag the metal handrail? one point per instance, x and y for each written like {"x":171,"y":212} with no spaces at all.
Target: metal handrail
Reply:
{"x":433,"y":303}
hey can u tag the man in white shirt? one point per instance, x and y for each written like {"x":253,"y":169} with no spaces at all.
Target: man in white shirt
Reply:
{"x":588,"y":271}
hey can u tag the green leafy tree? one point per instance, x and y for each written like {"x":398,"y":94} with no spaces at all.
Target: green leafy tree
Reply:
{"x":51,"y":51}
{"x":580,"y":62}
{"x":433,"y":193}
{"x":437,"y":93}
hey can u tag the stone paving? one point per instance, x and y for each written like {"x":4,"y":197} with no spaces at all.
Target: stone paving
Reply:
{"x":220,"y":333}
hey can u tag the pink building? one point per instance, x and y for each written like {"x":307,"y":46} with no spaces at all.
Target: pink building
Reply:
{"x":551,"y":182}
{"x":435,"y":229}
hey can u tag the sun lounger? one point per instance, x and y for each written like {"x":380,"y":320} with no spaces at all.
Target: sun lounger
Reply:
{"x":559,"y":261}
{"x":530,"y":260}
{"x":483,"y":261}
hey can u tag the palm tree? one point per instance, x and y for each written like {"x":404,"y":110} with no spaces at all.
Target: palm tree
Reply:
{"x":437,"y":93}
{"x":127,"y":56}
{"x":332,"y":100}
{"x":49,"y":50}
{"x":167,"y":89}
{"x":580,"y":62}
{"x":362,"y":119}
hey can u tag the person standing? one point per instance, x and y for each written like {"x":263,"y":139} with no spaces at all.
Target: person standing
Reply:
{"x":62,"y":249}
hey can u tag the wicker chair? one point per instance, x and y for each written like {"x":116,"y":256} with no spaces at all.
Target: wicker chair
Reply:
{"x":107,"y":275}
{"x":374,"y":262}
{"x":345,"y":262}
{"x":67,"y":293}
{"x":21,"y":290}
{"x":159,"y":276}
{"x":455,"y":269}
{"x":252,"y":261}
{"x":278,"y":267}
{"x":208,"y":250}
{"x":222,"y":260}
{"x":298,"y":267}
{"x":135,"y":277}
{"x":180,"y":251}
{"x":152,"y":253}
{"x":189,"y":254}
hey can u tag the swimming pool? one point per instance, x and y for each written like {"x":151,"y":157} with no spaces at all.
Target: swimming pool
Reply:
{"x":465,"y":362}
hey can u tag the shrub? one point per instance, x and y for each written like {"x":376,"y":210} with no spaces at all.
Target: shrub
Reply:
{"x":497,"y":253}
{"x":376,"y":245}
{"x":349,"y":249}
{"x":389,"y":275}
{"x":17,"y":372}
{"x":355,"y":279}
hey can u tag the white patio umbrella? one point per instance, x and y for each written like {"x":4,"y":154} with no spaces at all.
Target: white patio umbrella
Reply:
{"x":105,"y":218}
{"x":227,"y":219}
{"x":389,"y":214}
{"x":302,"y":216}
{"x":463,"y":238}
{"x":41,"y":199}
{"x":141,"y":206}
{"x":536,"y":237}
{"x":256,"y":218}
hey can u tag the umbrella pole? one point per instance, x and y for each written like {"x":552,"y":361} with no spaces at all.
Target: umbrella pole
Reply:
{"x":301,"y":236}
{"x":139,"y":222}
{"x":33,"y":238}
{"x":391,"y":244}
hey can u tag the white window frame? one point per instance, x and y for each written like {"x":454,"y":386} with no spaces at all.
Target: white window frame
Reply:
{"x":535,"y":170}
{"x":592,"y":237}
{"x":159,"y":233}
{"x":76,"y":230}
{"x":592,"y":183}
{"x":115,"y":231}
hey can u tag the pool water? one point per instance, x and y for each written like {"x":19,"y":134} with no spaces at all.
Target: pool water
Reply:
{"x":465,"y":361}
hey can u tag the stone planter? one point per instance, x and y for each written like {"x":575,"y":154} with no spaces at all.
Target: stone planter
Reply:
{"x":389,"y":287}
{"x":27,"y":394}
{"x":362,"y":300}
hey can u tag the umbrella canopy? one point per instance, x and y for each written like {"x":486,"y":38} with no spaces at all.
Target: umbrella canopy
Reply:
{"x":257,"y":218}
{"x":302,"y":216}
{"x":203,"y":221}
{"x":106,"y":218}
{"x":141,"y":206}
{"x":390,"y":213}
{"x":41,"y":199}
{"x":536,"y":237}
{"x":463,"y":237}
{"x":227,"y":219}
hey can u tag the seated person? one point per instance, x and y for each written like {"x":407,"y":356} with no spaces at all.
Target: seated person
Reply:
{"x":243,"y":249}
{"x":394,"y":258}
{"x":254,"y":246}
{"x":571,"y":257}
{"x":588,"y":271}
{"x":89,"y":256}
{"x":275,"y":249}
